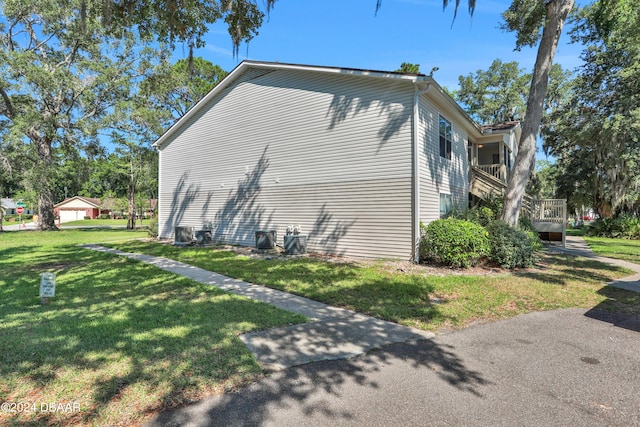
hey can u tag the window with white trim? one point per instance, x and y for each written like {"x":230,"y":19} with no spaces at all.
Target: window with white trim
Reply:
{"x":446,"y":204}
{"x":445,"y":138}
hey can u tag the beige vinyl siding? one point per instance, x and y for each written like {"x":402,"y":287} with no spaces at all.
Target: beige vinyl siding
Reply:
{"x":437,"y":174}
{"x":329,"y":152}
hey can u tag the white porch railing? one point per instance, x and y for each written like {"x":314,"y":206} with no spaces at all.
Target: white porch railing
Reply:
{"x":549,"y":217}
{"x":549,"y":210}
{"x":496,"y":170}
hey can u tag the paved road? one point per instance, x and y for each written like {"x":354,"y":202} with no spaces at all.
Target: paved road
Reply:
{"x":568,"y":367}
{"x":19,"y":227}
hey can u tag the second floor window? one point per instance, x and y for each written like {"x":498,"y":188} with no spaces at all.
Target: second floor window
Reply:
{"x":445,"y":138}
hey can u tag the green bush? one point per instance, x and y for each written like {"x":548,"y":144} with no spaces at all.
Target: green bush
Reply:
{"x":510,"y":247}
{"x":623,"y":226}
{"x":153,"y":227}
{"x":482,"y":215}
{"x":455,"y":242}
{"x":525,"y":224}
{"x":105,"y":216}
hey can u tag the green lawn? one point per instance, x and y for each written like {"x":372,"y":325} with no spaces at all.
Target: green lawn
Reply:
{"x":419,"y":298}
{"x":628,"y":250}
{"x":124,"y":340}
{"x":120,"y":338}
{"x":105,"y":222}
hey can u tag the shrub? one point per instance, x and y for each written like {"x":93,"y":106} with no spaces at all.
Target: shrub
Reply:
{"x":87,"y":217}
{"x":105,"y":216}
{"x":153,"y":227}
{"x":512,"y":248}
{"x":482,"y":215}
{"x":624,"y":226}
{"x":525,"y":223}
{"x":455,"y":242}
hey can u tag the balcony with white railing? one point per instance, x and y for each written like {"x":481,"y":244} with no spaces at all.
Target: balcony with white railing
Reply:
{"x":498,"y":171}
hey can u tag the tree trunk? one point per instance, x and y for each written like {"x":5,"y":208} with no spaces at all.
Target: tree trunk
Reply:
{"x":46,"y":217}
{"x":1,"y":210}
{"x":557,"y":11}
{"x":131,"y":222}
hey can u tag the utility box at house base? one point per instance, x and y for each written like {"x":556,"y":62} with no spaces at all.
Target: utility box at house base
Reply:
{"x":295,"y":244}
{"x":203,"y":237}
{"x":183,"y":235}
{"x":266,"y":239}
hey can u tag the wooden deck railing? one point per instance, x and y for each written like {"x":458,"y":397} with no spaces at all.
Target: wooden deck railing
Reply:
{"x":548,"y":210}
{"x":496,"y":170}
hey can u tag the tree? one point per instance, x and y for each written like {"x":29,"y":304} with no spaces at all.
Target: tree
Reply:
{"x":496,"y":95}
{"x":172,"y":89}
{"x":58,"y":74}
{"x":542,"y":184}
{"x":499,"y":94}
{"x":598,"y":139}
{"x":5,"y":168}
{"x":407,"y":67}
{"x":174,"y":21}
{"x":526,"y":18}
{"x":134,"y":124}
{"x":62,"y":64}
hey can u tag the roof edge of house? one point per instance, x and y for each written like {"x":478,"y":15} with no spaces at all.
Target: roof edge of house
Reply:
{"x":239,"y":69}
{"x":88,"y":200}
{"x":417,"y":78}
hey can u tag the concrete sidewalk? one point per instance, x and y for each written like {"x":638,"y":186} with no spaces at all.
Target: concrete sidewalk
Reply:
{"x":576,"y":245}
{"x":332,"y":333}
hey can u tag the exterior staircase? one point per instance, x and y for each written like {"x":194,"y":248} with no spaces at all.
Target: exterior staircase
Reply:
{"x":547,"y":215}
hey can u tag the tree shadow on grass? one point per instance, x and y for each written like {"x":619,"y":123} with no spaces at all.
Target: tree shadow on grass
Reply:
{"x":568,"y":268}
{"x":134,"y":328}
{"x":126,"y":326}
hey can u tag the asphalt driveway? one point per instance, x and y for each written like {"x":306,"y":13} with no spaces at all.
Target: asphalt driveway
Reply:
{"x":568,"y":367}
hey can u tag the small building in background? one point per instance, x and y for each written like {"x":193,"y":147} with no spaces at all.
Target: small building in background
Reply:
{"x":77,"y":208}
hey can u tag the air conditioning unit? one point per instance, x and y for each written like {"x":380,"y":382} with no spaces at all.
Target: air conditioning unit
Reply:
{"x":295,"y":244}
{"x":266,"y":239}
{"x":183,"y":235}
{"x":203,"y":237}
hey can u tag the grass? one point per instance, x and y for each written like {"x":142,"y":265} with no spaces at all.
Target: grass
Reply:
{"x":120,"y":339}
{"x":575,"y":231}
{"x":124,"y":340}
{"x":427,"y":301}
{"x":628,"y":250}
{"x":103,"y":222}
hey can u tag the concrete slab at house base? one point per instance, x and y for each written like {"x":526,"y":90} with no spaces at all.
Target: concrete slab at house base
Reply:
{"x":333,"y":333}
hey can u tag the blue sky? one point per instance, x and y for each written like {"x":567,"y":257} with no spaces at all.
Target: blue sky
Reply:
{"x":346,"y":33}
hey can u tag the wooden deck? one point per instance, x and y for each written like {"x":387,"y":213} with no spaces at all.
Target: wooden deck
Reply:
{"x":547,"y":215}
{"x":549,"y":218}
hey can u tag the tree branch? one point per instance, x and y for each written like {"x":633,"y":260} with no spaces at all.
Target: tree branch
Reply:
{"x":7,"y":102}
